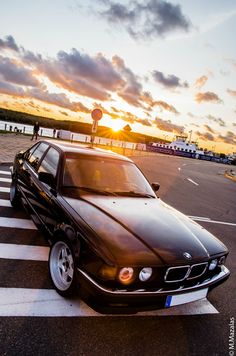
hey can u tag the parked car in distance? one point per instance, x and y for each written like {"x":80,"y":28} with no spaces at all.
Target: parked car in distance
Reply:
{"x":112,"y":240}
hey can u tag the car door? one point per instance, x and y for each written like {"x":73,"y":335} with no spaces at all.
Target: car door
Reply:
{"x":28,"y":177}
{"x":49,"y":164}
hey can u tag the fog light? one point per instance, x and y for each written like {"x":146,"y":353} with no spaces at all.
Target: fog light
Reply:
{"x":213,"y":265}
{"x":145,"y":274}
{"x":126,"y":275}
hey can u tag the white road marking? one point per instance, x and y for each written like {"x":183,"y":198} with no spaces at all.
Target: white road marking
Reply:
{"x":47,"y":303}
{"x":5,"y":202}
{"x":179,"y":168}
{"x":5,"y":172}
{"x":7,"y":180}
{"x":24,"y":252}
{"x":199,"y":218}
{"x":192,"y":181}
{"x":4,"y":190}
{"x":17,"y":223}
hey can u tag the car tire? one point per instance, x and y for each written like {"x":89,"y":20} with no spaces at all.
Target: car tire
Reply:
{"x":14,"y":194}
{"x":62,"y":267}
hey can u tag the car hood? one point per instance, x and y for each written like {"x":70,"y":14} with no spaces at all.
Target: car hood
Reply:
{"x":146,"y":230}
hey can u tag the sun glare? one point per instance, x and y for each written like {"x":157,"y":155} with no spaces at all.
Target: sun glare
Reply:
{"x":116,"y":125}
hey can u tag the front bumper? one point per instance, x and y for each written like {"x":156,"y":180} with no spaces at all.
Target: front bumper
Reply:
{"x":122,"y":301}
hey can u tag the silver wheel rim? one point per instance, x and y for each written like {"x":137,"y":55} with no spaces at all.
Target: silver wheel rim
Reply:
{"x":61,"y":265}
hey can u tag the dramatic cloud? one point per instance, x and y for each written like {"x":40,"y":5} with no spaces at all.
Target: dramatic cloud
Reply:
{"x":232,"y":92}
{"x":209,"y":129}
{"x":200,"y":82}
{"x":164,"y":105}
{"x":218,"y":120}
{"x":206,"y":136}
{"x":14,"y":73}
{"x":9,"y":43}
{"x":166,"y":125}
{"x":153,"y":18}
{"x":229,"y":138}
{"x":208,"y":97}
{"x":170,"y":81}
{"x":9,"y":89}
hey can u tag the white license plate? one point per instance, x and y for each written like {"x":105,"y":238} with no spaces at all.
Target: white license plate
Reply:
{"x":173,"y":300}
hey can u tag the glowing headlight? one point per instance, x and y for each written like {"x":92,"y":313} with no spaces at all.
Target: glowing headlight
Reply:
{"x":213,"y":264}
{"x":145,"y":274}
{"x":126,"y":275}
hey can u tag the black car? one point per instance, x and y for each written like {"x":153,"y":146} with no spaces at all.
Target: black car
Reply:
{"x":112,"y":239}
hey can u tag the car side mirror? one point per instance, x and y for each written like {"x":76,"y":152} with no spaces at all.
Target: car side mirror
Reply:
{"x":155,"y":186}
{"x":47,"y":178}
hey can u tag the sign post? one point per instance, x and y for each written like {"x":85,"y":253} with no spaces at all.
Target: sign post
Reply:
{"x":96,"y":116}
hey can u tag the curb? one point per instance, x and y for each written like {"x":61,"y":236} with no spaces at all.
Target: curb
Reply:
{"x":6,"y":163}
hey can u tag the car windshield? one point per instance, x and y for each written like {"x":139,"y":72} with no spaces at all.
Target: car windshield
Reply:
{"x":106,"y":176}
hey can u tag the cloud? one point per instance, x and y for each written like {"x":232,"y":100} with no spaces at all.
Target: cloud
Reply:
{"x":232,"y":92}
{"x":60,"y":100}
{"x":209,"y":129}
{"x":208,"y":97}
{"x":9,"y":89}
{"x":218,"y":120}
{"x":164,"y":105}
{"x":229,"y":138}
{"x":200,"y":82}
{"x":206,"y":136}
{"x":14,"y":73}
{"x":170,"y":81}
{"x":9,"y":43}
{"x":150,"y":19}
{"x":166,"y":125}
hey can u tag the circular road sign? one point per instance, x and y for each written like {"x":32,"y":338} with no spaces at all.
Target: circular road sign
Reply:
{"x":96,"y":114}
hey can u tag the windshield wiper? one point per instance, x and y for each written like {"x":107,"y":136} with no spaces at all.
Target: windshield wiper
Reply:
{"x":90,"y":190}
{"x":132,"y":193}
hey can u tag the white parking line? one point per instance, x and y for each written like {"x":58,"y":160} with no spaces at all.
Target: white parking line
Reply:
{"x":24,"y":252}
{"x":5,"y":172}
{"x":47,"y":303}
{"x":192,"y":181}
{"x":7,"y":180}
{"x":6,"y":203}
{"x":17,"y":223}
{"x":4,"y":190}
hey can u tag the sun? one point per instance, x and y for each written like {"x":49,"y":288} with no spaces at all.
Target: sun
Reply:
{"x":116,"y":125}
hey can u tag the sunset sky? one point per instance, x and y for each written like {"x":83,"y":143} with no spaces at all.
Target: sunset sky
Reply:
{"x":163,"y":67}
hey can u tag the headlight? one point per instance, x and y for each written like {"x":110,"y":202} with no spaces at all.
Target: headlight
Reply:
{"x":145,"y":274}
{"x":222,"y":260}
{"x":213,"y":264}
{"x":126,"y":275}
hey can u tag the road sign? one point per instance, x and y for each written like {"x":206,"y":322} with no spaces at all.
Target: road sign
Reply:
{"x":96,"y":114}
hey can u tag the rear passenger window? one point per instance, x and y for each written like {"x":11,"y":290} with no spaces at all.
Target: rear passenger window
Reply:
{"x":50,"y":162}
{"x":36,"y":154}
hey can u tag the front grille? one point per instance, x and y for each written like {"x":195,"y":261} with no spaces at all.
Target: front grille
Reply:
{"x":197,"y":270}
{"x":181,"y":273}
{"x":176,"y":274}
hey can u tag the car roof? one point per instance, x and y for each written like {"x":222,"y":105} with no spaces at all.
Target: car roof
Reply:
{"x":72,"y":147}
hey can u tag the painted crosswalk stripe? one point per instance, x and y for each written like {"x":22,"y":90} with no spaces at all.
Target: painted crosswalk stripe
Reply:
{"x":47,"y":303}
{"x":17,"y":223}
{"x":24,"y":252}
{"x":5,"y":180}
{"x":6,"y":203}
{"x":5,"y":172}
{"x":4,"y":190}
{"x":202,"y":219}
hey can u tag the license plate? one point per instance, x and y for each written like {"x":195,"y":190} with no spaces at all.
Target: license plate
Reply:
{"x":179,"y":299}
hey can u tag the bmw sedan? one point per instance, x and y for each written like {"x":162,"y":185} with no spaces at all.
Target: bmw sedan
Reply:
{"x":112,"y":240}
